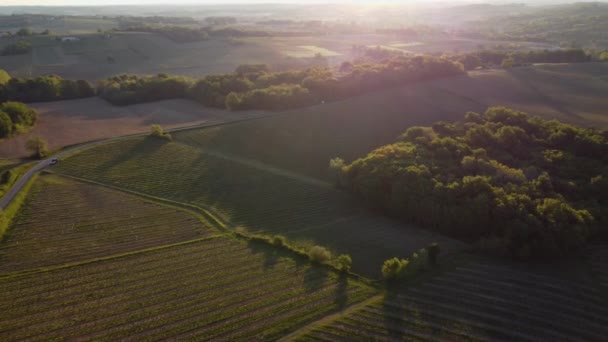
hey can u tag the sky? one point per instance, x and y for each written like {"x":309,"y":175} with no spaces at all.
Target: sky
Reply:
{"x":144,"y":2}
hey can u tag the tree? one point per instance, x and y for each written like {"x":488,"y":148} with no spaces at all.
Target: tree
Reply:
{"x":507,"y":63}
{"x":319,"y":254}
{"x":4,"y":77}
{"x":157,"y":131}
{"x":344,"y":262}
{"x":6,"y":125}
{"x":37,"y":146}
{"x":24,"y":32}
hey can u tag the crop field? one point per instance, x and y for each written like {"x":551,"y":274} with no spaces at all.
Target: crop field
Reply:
{"x":67,"y":221}
{"x":598,"y":258}
{"x":217,"y":288}
{"x":478,"y":301}
{"x":63,"y":123}
{"x":259,"y":197}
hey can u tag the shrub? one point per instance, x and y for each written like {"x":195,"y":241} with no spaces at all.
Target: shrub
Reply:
{"x":279,"y":241}
{"x":433,"y":251}
{"x":319,"y":254}
{"x":393,"y":269}
{"x":37,"y":146}
{"x":157,"y":131}
{"x":344,"y":262}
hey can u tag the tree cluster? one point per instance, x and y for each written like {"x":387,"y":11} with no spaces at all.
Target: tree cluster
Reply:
{"x":255,"y":87}
{"x":44,"y":88}
{"x":515,"y":184}
{"x":16,"y":117}
{"x":493,"y":58}
{"x":18,"y":48}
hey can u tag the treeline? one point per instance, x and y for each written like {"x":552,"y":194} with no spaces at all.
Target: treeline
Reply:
{"x":493,"y":58}
{"x":15,"y":118}
{"x":43,"y":88}
{"x":516,"y":185}
{"x":18,"y":48}
{"x":255,"y":87}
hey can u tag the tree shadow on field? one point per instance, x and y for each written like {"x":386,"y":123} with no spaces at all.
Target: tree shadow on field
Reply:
{"x":314,"y":277}
{"x":392,"y":318}
{"x":148,"y":145}
{"x":270,"y":255}
{"x":341,"y":293}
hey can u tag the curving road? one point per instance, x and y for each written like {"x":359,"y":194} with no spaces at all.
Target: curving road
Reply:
{"x":43,"y":164}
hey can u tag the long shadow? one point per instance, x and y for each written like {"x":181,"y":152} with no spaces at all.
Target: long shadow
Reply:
{"x":314,"y":278}
{"x":271,"y":255}
{"x":341,"y":293}
{"x":147,"y":146}
{"x":392,"y":318}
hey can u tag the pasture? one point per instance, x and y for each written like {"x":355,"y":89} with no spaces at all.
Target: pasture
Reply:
{"x":259,"y":197}
{"x":214,"y":288}
{"x":477,"y":301}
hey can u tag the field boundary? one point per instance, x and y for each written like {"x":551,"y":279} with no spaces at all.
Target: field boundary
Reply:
{"x":104,"y":258}
{"x":13,"y":208}
{"x":208,"y":213}
{"x":328,"y":319}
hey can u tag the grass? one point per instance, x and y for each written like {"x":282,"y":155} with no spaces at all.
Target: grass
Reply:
{"x":14,"y":207}
{"x":477,"y":301}
{"x":261,"y":198}
{"x":16,"y":171}
{"x":218,"y":288}
{"x":307,"y":51}
{"x":66,"y":221}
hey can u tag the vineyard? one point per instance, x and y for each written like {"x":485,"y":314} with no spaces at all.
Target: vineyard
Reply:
{"x":249,"y":194}
{"x":217,"y":288}
{"x":478,"y":302}
{"x":67,"y":221}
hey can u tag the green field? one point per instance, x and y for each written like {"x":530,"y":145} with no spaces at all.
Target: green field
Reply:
{"x":67,"y":221}
{"x":478,"y":301}
{"x":217,"y":288}
{"x":83,"y":261}
{"x":250,"y":194}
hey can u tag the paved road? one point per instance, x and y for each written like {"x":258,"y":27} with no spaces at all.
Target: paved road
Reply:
{"x":43,"y":164}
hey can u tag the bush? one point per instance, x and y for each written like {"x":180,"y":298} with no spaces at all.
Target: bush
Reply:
{"x":18,"y":48}
{"x":433,"y":251}
{"x":157,"y":131}
{"x":37,"y":146}
{"x":393,"y":269}
{"x":319,"y":254}
{"x":279,"y":241}
{"x":344,"y":262}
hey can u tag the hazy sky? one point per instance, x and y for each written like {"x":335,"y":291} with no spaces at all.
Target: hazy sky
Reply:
{"x":129,"y":2}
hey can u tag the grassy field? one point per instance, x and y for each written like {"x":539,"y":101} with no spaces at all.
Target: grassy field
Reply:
{"x":304,"y":140}
{"x":65,"y":123}
{"x":218,"y":288}
{"x":478,"y":301}
{"x":66,"y":221}
{"x":259,"y":197}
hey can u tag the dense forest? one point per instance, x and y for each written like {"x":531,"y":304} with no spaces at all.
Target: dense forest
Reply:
{"x":518,"y":185}
{"x":255,"y":87}
{"x":43,"y":88}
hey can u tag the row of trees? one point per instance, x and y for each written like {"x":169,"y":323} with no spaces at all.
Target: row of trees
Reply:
{"x":43,"y":88}
{"x":518,"y":185}
{"x":255,"y":87}
{"x":18,"y":48}
{"x":16,"y":117}
{"x":492,"y":58}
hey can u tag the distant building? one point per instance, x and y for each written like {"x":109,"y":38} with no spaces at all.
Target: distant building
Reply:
{"x":69,"y":39}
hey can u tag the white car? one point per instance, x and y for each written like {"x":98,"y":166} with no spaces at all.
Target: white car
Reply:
{"x":54,"y":161}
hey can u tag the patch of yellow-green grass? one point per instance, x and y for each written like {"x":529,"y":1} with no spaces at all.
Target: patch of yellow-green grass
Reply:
{"x":402,"y":45}
{"x":307,"y":51}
